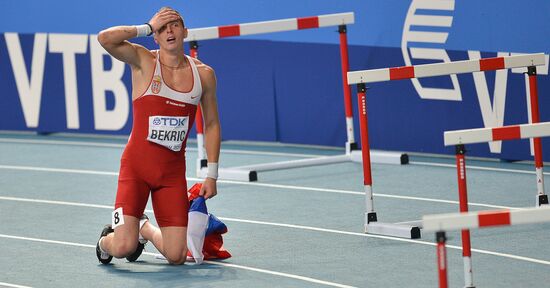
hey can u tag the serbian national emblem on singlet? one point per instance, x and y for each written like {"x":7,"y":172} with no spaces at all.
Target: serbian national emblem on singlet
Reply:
{"x":156,"y":84}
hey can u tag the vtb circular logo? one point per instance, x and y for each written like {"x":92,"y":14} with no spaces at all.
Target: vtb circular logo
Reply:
{"x":156,"y":121}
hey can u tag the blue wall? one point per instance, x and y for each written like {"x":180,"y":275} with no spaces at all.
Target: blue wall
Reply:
{"x":287,"y":86}
{"x":488,"y":25}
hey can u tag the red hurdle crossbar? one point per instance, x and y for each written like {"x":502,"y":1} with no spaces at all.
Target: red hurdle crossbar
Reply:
{"x":443,"y":69}
{"x":262,"y":27}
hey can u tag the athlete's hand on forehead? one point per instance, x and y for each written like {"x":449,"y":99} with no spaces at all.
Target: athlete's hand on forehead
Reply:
{"x":162,"y":18}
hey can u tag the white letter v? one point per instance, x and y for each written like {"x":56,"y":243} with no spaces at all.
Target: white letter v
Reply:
{"x":30,"y":90}
{"x":493,"y":115}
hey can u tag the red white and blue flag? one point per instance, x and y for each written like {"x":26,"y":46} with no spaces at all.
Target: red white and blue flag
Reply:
{"x":204,"y":230}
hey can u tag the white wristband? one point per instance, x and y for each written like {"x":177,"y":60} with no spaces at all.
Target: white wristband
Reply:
{"x":212,"y":170}
{"x":143,"y":30}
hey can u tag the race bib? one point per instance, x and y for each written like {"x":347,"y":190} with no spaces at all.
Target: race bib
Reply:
{"x":118,"y":218}
{"x":168,"y":131}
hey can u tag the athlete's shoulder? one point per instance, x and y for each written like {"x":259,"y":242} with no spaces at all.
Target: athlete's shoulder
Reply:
{"x":202,"y":66}
{"x":205,"y":71}
{"x":146,"y":61}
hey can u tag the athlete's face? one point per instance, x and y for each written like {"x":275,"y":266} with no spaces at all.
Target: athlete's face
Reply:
{"x":171,"y":35}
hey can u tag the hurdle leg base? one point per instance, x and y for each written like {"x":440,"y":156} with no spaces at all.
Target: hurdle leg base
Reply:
{"x":232,"y":174}
{"x":381,"y":157}
{"x":414,"y":223}
{"x":239,"y":175}
{"x":543,"y":200}
{"x":201,"y":165}
{"x":204,"y":163}
{"x":395,"y":230}
{"x":250,"y":172}
{"x":351,"y":146}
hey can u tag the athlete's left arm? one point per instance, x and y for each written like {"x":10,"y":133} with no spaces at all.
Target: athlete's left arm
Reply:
{"x":212,"y":130}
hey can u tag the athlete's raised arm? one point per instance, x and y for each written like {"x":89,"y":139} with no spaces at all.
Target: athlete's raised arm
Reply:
{"x":115,"y":39}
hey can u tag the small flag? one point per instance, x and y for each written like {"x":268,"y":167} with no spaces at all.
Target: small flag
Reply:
{"x":196,"y":228}
{"x":204,"y":231}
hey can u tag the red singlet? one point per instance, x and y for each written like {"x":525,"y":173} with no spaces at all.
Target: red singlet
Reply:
{"x":154,"y":158}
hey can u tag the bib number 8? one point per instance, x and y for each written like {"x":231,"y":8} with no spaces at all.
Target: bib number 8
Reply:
{"x":118,"y":218}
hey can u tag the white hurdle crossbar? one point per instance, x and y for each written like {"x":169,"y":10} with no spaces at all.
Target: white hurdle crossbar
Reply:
{"x":419,"y":71}
{"x":483,"y":219}
{"x":442,"y":69}
{"x":263,"y":27}
{"x":483,"y":135}
{"x":249,"y":172}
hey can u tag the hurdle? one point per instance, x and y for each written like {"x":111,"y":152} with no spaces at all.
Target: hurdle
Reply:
{"x":482,"y":135}
{"x":362,"y":77}
{"x":249,"y":172}
{"x":471,"y":220}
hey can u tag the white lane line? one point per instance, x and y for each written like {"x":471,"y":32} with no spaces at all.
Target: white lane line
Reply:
{"x":340,"y":191}
{"x":4,"y":284}
{"x":18,"y":199}
{"x":61,"y":142}
{"x":300,"y":227}
{"x":114,"y":145}
{"x":47,"y":241}
{"x":303,"y":278}
{"x":289,"y":187}
{"x":292,"y":276}
{"x":59,"y":170}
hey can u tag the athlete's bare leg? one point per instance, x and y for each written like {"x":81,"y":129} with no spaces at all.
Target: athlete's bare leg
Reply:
{"x":170,"y":241}
{"x":122,"y":242}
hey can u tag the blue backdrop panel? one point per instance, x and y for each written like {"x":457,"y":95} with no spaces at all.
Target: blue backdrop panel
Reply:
{"x":309,"y":95}
{"x":12,"y":115}
{"x":244,"y":70}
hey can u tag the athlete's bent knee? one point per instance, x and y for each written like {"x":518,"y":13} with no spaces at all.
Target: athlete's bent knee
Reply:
{"x":176,"y":258}
{"x":124,"y":248}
